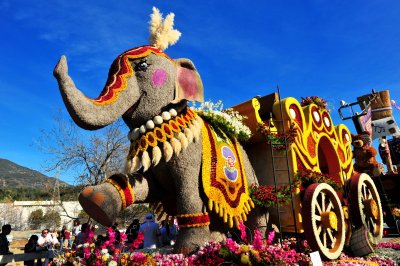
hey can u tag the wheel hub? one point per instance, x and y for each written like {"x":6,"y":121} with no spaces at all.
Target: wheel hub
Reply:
{"x":329,"y":220}
{"x":371,"y":208}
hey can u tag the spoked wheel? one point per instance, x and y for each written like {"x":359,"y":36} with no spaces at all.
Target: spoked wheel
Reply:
{"x":366,"y":208}
{"x":323,"y":220}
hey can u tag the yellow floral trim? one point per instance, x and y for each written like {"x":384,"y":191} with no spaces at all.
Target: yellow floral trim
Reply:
{"x":150,"y":135}
{"x":193,"y":220}
{"x":160,"y":134}
{"x":120,"y":191}
{"x":227,"y":197}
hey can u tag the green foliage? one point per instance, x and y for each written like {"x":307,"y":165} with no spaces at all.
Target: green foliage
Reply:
{"x":35,"y":219}
{"x":51,"y":219}
{"x":7,"y":194}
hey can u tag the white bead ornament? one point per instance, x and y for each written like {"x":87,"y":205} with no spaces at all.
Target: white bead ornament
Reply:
{"x":173,"y":112}
{"x":150,"y":124}
{"x":158,"y":120}
{"x":166,"y":116}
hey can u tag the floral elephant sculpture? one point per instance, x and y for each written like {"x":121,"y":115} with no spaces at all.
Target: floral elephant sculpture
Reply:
{"x":176,"y":158}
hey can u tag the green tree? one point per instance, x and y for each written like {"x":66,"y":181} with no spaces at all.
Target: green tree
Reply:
{"x":35,"y":219}
{"x":52,"y":219}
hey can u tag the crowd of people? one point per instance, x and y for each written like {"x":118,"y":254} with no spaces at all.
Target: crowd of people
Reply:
{"x":154,"y":236}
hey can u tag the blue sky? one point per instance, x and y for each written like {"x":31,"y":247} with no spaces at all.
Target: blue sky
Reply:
{"x":337,"y":50}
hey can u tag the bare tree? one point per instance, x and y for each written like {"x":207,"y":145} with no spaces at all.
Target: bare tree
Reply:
{"x":92,"y":155}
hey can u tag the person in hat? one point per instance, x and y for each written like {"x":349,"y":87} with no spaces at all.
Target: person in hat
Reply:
{"x":150,"y":230}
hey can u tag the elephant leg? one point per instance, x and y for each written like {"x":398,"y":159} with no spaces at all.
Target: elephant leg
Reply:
{"x":192,"y":217}
{"x":103,"y":202}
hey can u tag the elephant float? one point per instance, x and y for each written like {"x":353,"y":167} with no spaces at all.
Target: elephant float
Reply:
{"x":176,"y":158}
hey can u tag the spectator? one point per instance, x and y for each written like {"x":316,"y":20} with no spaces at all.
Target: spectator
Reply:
{"x":150,"y":231}
{"x":45,"y":242}
{"x":82,"y":235}
{"x":76,"y":227}
{"x":164,"y":232}
{"x":31,"y":247}
{"x":169,"y":231}
{"x":132,"y":231}
{"x":67,"y":238}
{"x":4,"y":244}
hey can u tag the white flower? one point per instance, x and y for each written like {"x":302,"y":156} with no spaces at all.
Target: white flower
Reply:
{"x":112,"y":263}
{"x":86,"y":245}
{"x":79,"y":246}
{"x":230,"y":120}
{"x":104,"y":251}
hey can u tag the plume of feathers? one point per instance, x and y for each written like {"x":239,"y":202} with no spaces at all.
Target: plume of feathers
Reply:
{"x":162,"y":33}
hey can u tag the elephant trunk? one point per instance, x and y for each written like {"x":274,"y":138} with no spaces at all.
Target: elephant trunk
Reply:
{"x":93,"y":114}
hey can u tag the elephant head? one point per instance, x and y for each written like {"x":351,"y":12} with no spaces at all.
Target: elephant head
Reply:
{"x":142,"y":83}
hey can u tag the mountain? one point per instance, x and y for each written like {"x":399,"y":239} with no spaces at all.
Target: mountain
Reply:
{"x":13,"y":175}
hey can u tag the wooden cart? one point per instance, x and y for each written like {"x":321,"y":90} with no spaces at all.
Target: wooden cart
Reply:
{"x":320,"y":146}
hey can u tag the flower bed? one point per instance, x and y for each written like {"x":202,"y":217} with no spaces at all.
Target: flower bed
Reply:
{"x":255,"y":251}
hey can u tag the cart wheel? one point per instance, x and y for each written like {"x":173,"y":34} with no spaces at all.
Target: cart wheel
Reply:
{"x":366,"y":208}
{"x":323,"y":220}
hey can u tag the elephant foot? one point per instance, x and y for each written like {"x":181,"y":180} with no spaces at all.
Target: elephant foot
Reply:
{"x":189,"y":239}
{"x":101,"y":202}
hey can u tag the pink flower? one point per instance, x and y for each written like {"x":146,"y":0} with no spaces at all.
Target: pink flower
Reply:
{"x":271,"y":236}
{"x":243,"y":235}
{"x":257,"y":243}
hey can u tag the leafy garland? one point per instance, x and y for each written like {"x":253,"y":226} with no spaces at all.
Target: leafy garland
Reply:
{"x":268,"y":196}
{"x":277,"y":140}
{"x":228,"y":121}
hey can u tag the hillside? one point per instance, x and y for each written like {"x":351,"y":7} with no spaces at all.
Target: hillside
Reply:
{"x":13,"y":175}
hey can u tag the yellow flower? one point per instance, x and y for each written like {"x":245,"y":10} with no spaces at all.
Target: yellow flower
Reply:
{"x":245,"y":248}
{"x":244,"y":259}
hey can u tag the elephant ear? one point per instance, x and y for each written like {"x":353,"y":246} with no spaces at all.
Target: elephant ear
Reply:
{"x":188,"y":84}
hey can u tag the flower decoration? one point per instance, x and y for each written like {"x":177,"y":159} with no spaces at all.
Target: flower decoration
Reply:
{"x":268,"y":196}
{"x":320,"y":102}
{"x":306,"y":177}
{"x":277,"y":140}
{"x":228,"y":252}
{"x":228,"y":121}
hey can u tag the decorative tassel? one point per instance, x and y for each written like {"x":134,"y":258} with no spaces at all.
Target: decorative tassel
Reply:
{"x":221,"y":212}
{"x":146,"y":162}
{"x":176,"y":145}
{"x":210,"y":204}
{"x":230,"y":222}
{"x":184,"y":141}
{"x":236,"y":222}
{"x":135,"y":164}
{"x":189,"y":135}
{"x":128,"y":166}
{"x":157,"y":155}
{"x":244,"y":217}
{"x":225,"y":217}
{"x":168,"y":151}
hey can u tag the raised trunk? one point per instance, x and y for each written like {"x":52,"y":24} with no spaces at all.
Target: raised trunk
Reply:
{"x":94,"y":114}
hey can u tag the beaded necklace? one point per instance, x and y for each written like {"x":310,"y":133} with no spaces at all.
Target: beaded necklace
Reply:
{"x":171,"y":135}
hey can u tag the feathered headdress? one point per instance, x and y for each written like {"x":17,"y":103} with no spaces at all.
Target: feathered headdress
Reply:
{"x":162,"y":33}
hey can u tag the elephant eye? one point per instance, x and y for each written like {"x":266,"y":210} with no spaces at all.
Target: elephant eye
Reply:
{"x":142,"y":65}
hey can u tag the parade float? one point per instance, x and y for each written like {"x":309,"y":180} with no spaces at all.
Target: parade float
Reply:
{"x":373,"y":114}
{"x":286,"y":164}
